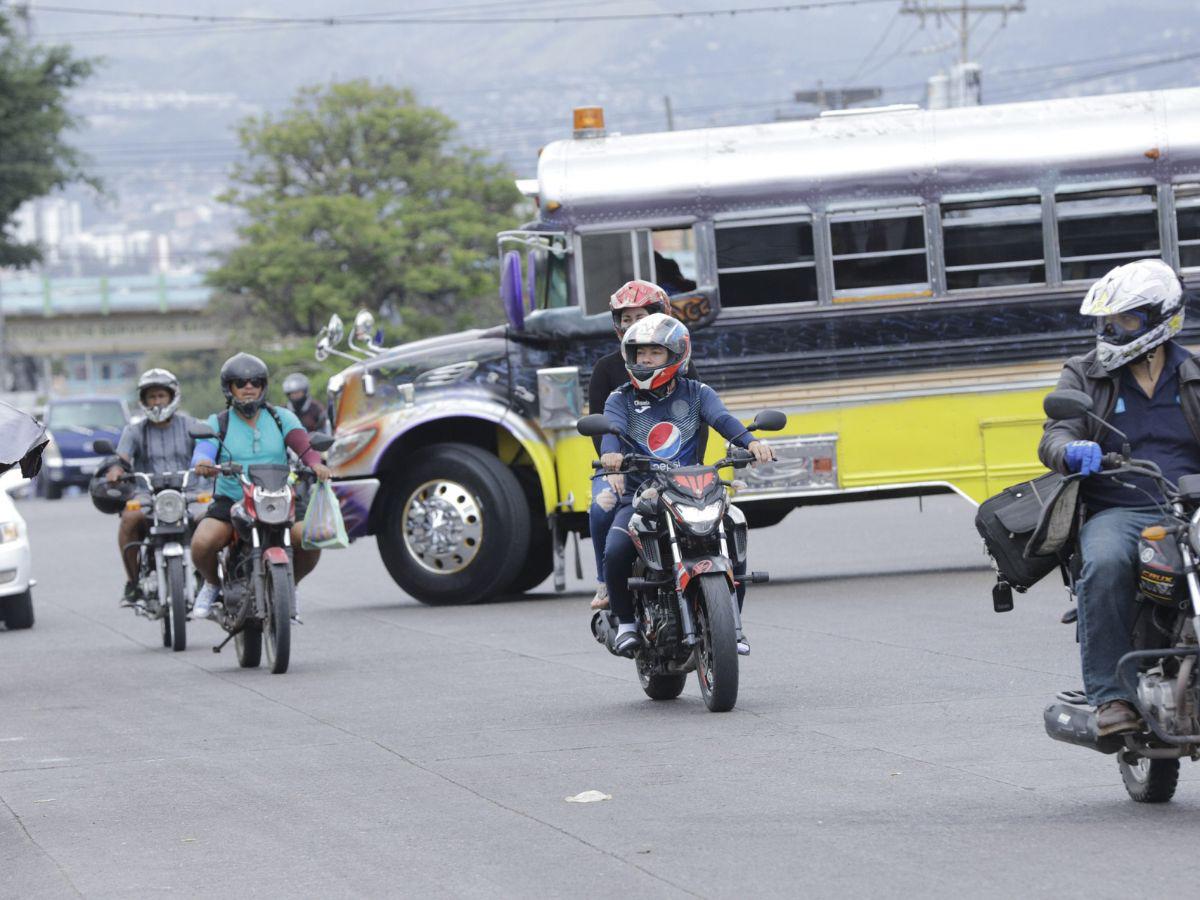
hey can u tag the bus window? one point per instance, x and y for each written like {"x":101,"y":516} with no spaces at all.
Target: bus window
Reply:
{"x":607,"y":261}
{"x":674,"y":252}
{"x":762,"y":263}
{"x":879,"y":250}
{"x":1187,"y":212}
{"x":993,"y":242}
{"x":1100,"y":229}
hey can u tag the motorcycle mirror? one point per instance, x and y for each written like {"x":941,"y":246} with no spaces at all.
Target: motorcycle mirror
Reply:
{"x":596,"y":425}
{"x":1067,"y":404}
{"x":364,"y":327}
{"x":769,"y":420}
{"x":201,"y":430}
{"x":320,"y":441}
{"x":335,"y":330}
{"x":104,"y":447}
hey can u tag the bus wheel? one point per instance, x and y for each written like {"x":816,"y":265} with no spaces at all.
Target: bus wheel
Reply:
{"x":456,"y":527}
{"x":539,"y":558}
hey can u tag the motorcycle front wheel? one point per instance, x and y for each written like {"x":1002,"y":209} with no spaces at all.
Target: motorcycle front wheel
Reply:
{"x":277,"y":627}
{"x":175,"y":616}
{"x":1150,"y":780}
{"x":716,"y":650}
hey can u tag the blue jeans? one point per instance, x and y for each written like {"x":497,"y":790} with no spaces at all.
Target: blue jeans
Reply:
{"x":599,"y":522}
{"x":1107,"y":593}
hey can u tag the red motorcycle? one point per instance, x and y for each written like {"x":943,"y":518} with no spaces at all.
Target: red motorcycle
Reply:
{"x":256,"y":576}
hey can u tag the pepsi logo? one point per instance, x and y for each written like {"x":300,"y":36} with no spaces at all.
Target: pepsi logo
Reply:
{"x":664,"y":440}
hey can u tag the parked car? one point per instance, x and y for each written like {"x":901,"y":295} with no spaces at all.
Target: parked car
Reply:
{"x":16,"y":600}
{"x":75,"y":424}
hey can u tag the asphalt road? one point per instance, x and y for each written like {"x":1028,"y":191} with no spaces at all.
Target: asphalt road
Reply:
{"x":887,"y":741}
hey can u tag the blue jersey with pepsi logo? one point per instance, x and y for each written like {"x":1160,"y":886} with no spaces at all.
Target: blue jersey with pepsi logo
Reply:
{"x":670,"y":428}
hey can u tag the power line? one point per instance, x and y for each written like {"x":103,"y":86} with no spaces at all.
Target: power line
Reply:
{"x":384,"y":19}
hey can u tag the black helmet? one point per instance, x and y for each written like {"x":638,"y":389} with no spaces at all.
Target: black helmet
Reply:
{"x":244,"y":367}
{"x":109,"y":498}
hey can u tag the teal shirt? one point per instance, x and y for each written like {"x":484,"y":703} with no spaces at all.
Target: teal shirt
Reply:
{"x":248,"y":445}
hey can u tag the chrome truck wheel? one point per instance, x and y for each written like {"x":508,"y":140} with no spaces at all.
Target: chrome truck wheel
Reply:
{"x":442,"y":526}
{"x":456,"y":525}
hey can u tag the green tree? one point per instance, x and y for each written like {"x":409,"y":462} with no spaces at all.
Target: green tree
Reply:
{"x":357,"y":196}
{"x":34,"y":158}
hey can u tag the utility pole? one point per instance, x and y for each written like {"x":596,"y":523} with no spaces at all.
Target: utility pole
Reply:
{"x":824,"y":98}
{"x":965,"y":85}
{"x":670,"y":115}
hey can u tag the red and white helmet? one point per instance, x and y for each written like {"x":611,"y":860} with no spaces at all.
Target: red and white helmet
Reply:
{"x":637,"y":295}
{"x":656,"y":330}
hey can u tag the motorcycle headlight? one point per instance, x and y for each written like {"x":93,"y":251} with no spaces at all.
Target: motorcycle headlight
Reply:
{"x":703,"y":519}
{"x":169,"y":507}
{"x":272,"y":506}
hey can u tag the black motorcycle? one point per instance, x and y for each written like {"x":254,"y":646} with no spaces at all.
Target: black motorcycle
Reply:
{"x":1160,"y":674}
{"x":257,"y":581}
{"x":684,"y":588}
{"x":164,"y":559}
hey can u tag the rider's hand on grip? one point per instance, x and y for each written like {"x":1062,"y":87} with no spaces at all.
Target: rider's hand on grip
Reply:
{"x":1083,"y":457}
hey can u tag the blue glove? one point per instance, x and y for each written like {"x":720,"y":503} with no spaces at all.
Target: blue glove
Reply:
{"x":1083,"y":457}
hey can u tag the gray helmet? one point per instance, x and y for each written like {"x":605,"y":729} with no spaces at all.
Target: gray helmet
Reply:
{"x":158,"y":378}
{"x":244,"y":367}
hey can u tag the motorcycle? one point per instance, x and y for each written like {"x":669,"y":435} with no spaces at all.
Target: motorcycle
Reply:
{"x":256,"y":576}
{"x":164,"y":558}
{"x":1160,"y":673}
{"x":683,"y":583}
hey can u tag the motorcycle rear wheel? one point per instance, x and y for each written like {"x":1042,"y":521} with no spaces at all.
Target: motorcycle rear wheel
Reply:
{"x":660,"y":686}
{"x":716,"y":650}
{"x":277,"y":627}
{"x":175,"y":619}
{"x":1149,"y":780}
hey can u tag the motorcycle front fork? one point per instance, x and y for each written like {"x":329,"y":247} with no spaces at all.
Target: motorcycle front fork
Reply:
{"x":685,"y":613}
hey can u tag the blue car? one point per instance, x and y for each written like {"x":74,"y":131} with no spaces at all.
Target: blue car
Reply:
{"x":75,"y":424}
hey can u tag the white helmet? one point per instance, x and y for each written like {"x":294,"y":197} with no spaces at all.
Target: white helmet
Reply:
{"x":1150,"y":292}
{"x":158,"y":378}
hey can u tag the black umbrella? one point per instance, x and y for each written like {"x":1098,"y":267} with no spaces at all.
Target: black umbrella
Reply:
{"x":22,"y":440}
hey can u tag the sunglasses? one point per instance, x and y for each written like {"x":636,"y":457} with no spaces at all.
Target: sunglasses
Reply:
{"x":259,"y":383}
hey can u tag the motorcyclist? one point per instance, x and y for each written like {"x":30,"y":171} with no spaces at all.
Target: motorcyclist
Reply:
{"x":159,"y":443}
{"x":632,"y":302}
{"x":664,"y":414}
{"x":256,"y":433}
{"x":310,"y":413}
{"x":1148,"y":386}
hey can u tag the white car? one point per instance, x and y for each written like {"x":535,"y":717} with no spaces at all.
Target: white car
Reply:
{"x":16,"y":600}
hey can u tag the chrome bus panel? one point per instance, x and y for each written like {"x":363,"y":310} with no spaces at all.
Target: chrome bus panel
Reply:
{"x":803,"y":463}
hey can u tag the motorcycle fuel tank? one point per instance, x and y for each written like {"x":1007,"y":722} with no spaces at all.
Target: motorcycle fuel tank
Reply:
{"x":1160,"y":572}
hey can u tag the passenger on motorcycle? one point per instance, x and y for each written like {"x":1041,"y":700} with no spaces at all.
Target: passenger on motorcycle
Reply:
{"x":159,"y":443}
{"x":632,"y":302}
{"x":310,"y":413}
{"x":1148,"y":386}
{"x":664,"y":414}
{"x":253,"y":432}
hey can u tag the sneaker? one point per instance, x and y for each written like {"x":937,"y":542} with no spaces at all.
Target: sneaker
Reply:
{"x":627,"y":643}
{"x":600,"y":601}
{"x":130,"y":596}
{"x":296,"y":608}
{"x":204,"y":601}
{"x":743,"y":647}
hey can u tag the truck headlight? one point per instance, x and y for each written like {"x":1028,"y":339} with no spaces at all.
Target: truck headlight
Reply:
{"x":52,"y":456}
{"x":9,"y":531}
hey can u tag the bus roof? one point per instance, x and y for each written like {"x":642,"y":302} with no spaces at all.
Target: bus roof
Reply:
{"x":870,"y":156}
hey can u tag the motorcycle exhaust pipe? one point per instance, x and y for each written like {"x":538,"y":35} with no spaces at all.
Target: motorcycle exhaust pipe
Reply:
{"x":1075,"y":725}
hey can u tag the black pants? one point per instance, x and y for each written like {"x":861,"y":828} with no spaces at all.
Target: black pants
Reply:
{"x":619,"y":557}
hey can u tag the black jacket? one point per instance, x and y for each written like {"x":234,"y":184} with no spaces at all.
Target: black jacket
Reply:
{"x":608,"y":375}
{"x":1084,"y":373}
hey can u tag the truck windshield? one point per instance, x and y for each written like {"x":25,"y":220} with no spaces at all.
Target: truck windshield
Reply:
{"x":86,"y":414}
